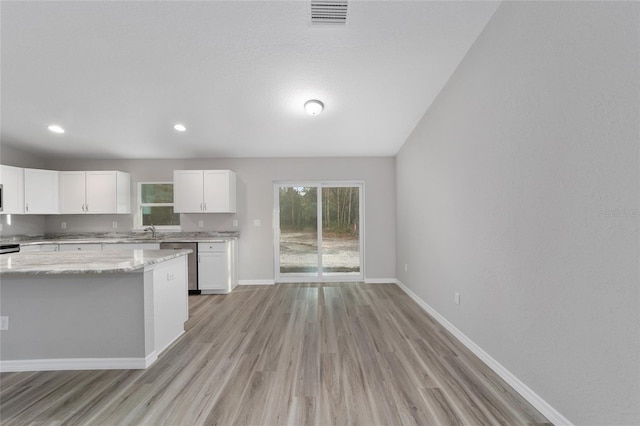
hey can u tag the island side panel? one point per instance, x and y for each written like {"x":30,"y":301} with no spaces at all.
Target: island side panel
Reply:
{"x":170,"y":301}
{"x":73,"y":316}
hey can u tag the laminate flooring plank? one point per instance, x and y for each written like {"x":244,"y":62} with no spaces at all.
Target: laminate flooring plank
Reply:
{"x":307,"y":382}
{"x":92,"y":404}
{"x":255,"y":397}
{"x":333,"y":407}
{"x":458,"y":395}
{"x":357,"y":398}
{"x":10,"y":380}
{"x":303,"y":411}
{"x":124,"y":409}
{"x":75,"y":398}
{"x":37,"y":396}
{"x":492,"y":402}
{"x":281,"y":395}
{"x":228,"y":403}
{"x":406,"y":396}
{"x":440,"y":407}
{"x":515,"y":402}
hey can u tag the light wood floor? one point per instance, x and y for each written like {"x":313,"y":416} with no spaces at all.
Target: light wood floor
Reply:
{"x":351,"y":354}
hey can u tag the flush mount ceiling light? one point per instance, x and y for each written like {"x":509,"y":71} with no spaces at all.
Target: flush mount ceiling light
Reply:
{"x":56,"y":129}
{"x":179,"y":127}
{"x":313,"y":107}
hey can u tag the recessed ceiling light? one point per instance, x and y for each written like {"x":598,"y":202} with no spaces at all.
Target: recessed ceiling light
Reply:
{"x":179,"y":127}
{"x":313,"y":107}
{"x":56,"y":129}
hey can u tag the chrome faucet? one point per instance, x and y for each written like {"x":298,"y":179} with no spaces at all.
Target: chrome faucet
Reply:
{"x":151,"y":228}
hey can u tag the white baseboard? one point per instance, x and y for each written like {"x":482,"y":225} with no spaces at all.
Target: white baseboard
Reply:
{"x":256,"y":282}
{"x":78,"y":364}
{"x":380,"y":281}
{"x":553,"y":415}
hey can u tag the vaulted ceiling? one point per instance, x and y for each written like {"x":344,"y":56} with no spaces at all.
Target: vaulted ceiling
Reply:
{"x":117,"y":75}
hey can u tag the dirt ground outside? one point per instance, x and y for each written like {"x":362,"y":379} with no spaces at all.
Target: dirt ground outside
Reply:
{"x":298,"y":253}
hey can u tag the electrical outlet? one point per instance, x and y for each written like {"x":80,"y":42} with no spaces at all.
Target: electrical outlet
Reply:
{"x":201,"y":223}
{"x":4,"y":323}
{"x":235,"y":222}
{"x":405,"y":267}
{"x":114,"y":224}
{"x":63,"y":225}
{"x":456,"y":298}
{"x":256,"y":222}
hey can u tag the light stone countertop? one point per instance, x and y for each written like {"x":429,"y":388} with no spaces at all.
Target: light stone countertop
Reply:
{"x":116,"y":238}
{"x":86,"y":262}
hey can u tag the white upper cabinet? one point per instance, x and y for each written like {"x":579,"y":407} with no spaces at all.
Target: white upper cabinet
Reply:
{"x":12,"y":180}
{"x":188,"y":189}
{"x":72,"y":192}
{"x":204,"y":191}
{"x":40,"y":191}
{"x":95,"y":192}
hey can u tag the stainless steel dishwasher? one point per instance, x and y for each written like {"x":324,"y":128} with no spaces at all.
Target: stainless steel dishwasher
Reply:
{"x":192,"y":262}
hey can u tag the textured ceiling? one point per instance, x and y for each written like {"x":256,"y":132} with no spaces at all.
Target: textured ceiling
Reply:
{"x":117,"y":75}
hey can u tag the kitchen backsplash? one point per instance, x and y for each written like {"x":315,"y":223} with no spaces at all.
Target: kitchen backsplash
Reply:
{"x":22,"y":224}
{"x":38,"y":224}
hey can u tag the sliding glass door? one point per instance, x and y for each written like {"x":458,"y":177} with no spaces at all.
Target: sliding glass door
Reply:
{"x":318,"y":231}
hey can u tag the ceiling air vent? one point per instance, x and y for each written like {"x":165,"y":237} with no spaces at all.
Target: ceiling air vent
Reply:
{"x":328,"y":11}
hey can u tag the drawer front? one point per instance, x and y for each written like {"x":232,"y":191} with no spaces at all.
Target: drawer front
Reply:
{"x":211,"y":247}
{"x":131,"y":246}
{"x":30,"y":248}
{"x":80,"y":247}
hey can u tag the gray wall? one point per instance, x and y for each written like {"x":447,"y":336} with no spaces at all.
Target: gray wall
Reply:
{"x":255,"y":201}
{"x":519,"y":189}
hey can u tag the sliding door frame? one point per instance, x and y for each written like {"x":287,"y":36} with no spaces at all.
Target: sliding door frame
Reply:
{"x":319,"y":276}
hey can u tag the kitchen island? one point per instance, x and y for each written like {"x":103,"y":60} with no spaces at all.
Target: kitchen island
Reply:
{"x":90,"y":310}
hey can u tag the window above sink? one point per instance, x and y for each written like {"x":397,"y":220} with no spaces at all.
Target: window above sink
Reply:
{"x":155,"y":207}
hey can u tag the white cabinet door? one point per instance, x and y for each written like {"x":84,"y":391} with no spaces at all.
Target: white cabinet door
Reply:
{"x":219,"y":191}
{"x":40,"y":191}
{"x":100,"y":192}
{"x":72,"y":192}
{"x":212,"y":267}
{"x":187,"y":191}
{"x":12,"y":180}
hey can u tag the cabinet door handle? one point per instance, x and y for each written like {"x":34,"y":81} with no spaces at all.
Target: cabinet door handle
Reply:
{"x":26,"y":207}
{"x":205,"y":206}
{"x":86,"y":207}
{"x":83,"y":207}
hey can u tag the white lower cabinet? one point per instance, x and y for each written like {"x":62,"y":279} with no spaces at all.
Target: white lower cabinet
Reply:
{"x":216,"y":267}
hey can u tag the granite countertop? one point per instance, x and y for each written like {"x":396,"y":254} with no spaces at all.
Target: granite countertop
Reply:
{"x":86,"y":262}
{"x":115,"y":238}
